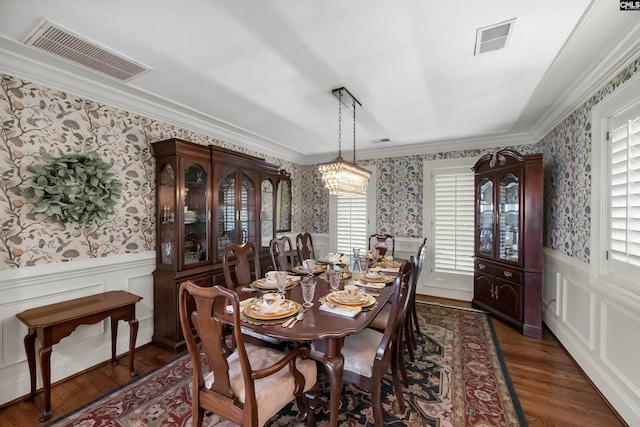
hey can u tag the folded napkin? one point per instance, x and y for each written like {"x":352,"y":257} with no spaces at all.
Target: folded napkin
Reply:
{"x":385,"y":269}
{"x":243,"y":304}
{"x":341,"y":310}
{"x":373,"y":285}
{"x":294,"y":278}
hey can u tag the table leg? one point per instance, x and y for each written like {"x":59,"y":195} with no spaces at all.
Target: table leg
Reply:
{"x":114,"y":338}
{"x":133,"y":333}
{"x":334,"y":362}
{"x":30,"y":350}
{"x":45,"y":366}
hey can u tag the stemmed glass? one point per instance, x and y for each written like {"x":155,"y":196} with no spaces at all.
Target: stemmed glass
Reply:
{"x":334,"y":280}
{"x":281,"y":281}
{"x":310,"y":264}
{"x":308,"y":290}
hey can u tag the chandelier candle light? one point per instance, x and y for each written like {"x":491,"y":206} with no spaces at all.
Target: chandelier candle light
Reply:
{"x":342,"y":177}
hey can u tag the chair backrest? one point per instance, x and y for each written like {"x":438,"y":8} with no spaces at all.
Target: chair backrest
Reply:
{"x":282,"y":255}
{"x":399,"y":308}
{"x":383,"y":243}
{"x":211,"y":331}
{"x":422,"y":254}
{"x":304,"y":246}
{"x":243,"y":253}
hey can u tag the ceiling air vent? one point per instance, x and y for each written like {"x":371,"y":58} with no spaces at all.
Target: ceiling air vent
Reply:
{"x":61,"y":42}
{"x":493,"y":37}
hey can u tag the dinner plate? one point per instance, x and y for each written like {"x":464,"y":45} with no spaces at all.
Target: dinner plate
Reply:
{"x":255,"y":311}
{"x":381,"y":278}
{"x":301,"y":270}
{"x":361,"y":300}
{"x":265,"y":284}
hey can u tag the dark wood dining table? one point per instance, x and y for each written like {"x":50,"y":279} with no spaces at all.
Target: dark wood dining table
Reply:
{"x":328,"y":330}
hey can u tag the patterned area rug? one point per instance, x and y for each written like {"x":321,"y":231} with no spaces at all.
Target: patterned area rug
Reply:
{"x":458,"y":379}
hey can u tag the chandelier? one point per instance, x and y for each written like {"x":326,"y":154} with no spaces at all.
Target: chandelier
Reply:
{"x":342,"y":177}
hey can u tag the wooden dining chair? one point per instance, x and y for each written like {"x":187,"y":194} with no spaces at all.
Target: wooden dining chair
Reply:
{"x":236,"y":259}
{"x":247,"y":384}
{"x":369,"y":354}
{"x":383,"y":243}
{"x":413,"y":324}
{"x":304,"y":247}
{"x":282,"y":254}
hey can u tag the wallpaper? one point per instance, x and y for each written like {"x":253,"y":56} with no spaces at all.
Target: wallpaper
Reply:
{"x":36,"y":120}
{"x":567,"y":176}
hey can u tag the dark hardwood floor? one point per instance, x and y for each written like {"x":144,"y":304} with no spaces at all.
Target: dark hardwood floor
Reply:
{"x":551,"y":388}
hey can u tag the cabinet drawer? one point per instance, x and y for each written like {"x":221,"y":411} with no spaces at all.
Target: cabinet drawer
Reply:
{"x":504,"y":273}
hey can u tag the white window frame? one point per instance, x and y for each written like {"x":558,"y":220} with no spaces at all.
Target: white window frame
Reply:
{"x":624,"y":97}
{"x":371,"y":210}
{"x":446,"y":285}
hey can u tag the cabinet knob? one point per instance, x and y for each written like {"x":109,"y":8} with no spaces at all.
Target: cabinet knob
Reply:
{"x":481,"y":266}
{"x":508,"y":274}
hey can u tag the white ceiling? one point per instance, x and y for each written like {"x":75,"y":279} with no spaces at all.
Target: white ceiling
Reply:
{"x":260,"y":72}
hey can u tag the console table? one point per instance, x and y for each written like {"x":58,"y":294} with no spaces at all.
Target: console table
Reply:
{"x":51,"y":323}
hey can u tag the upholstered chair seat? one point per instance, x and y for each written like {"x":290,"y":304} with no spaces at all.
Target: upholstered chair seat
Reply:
{"x":359,"y":352}
{"x":273,"y":392}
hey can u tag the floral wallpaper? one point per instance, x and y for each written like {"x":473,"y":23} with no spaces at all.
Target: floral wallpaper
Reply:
{"x":567,"y":174}
{"x":35,"y":120}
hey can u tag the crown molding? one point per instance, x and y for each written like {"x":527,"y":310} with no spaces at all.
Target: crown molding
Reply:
{"x":445,"y":146}
{"x":608,"y":65}
{"x":27,"y":63}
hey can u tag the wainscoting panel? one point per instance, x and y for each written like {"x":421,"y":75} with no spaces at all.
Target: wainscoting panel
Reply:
{"x":619,"y":352}
{"x":599,"y":327}
{"x":577,"y":310}
{"x":89,"y":345}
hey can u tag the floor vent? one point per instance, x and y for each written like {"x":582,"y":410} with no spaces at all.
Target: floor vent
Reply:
{"x":493,"y":37}
{"x":62,"y":43}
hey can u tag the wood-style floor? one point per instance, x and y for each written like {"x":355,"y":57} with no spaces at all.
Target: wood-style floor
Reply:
{"x":551,"y":388}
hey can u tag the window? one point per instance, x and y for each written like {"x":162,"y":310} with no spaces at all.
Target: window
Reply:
{"x":449,"y":222}
{"x":623,"y":137}
{"x":352,"y":219}
{"x":616,"y":186}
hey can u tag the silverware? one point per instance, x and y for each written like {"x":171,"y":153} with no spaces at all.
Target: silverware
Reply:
{"x":300,"y":316}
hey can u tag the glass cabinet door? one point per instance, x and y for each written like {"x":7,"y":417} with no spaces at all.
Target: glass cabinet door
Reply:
{"x":167,"y":207}
{"x":485,"y":223}
{"x":196,"y":214}
{"x":226,"y":211}
{"x":509,"y":217}
{"x":266,"y":212}
{"x":247,"y":213}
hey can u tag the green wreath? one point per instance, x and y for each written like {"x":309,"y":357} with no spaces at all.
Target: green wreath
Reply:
{"x":75,"y":188}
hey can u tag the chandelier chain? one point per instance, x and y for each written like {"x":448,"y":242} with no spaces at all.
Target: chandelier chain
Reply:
{"x":340,"y":124}
{"x":354,"y":131}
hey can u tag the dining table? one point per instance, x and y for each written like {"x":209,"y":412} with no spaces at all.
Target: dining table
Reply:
{"x":326,"y":330}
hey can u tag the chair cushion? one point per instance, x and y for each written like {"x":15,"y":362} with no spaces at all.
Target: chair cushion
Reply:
{"x":382,"y":319}
{"x":273,"y":392}
{"x":359,"y":351}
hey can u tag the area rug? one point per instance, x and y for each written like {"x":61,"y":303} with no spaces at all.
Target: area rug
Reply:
{"x":458,"y":379}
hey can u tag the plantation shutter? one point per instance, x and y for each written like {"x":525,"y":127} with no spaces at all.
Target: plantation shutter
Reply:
{"x":624,"y":179}
{"x":351,"y":223}
{"x":453,"y":220}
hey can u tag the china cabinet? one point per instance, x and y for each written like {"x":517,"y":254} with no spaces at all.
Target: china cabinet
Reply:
{"x":508,"y":239}
{"x":206,"y":197}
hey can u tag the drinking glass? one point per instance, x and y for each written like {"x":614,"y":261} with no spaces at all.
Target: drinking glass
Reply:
{"x":363,"y":263}
{"x":281,"y":281}
{"x":308,"y":289}
{"x":334,"y":280}
{"x":310,"y":264}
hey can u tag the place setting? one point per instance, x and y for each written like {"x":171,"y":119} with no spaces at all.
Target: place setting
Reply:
{"x":273,"y":308}
{"x":309,"y":267}
{"x":347,"y":302}
{"x":275,"y":280}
